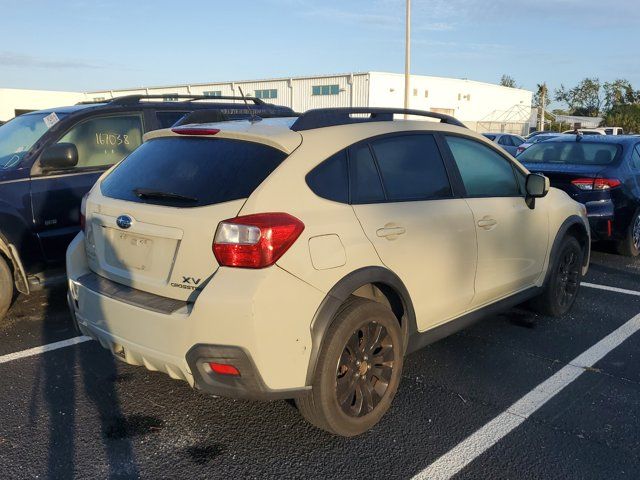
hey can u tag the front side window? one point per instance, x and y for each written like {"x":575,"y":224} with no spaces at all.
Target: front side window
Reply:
{"x":103,"y":141}
{"x":412,"y":168}
{"x":485,"y":173}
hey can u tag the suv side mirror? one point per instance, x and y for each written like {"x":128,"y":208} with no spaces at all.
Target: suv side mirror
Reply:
{"x":537,"y":185}
{"x":59,"y":156}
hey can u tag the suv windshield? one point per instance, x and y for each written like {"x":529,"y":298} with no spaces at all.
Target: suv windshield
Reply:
{"x":574,"y":153}
{"x":191,"y":172}
{"x":20,"y":134}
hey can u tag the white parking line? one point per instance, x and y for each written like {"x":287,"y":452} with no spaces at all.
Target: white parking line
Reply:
{"x":481,"y":440}
{"x":611,"y":289}
{"x":43,"y":349}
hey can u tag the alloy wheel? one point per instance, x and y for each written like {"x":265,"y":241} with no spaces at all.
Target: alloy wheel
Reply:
{"x":635,"y":233}
{"x":568,"y":277}
{"x":364,"y":369}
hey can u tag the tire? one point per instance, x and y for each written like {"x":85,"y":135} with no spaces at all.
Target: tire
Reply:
{"x":562,"y":287}
{"x":364,"y":335}
{"x":6,"y":287}
{"x":630,"y":245}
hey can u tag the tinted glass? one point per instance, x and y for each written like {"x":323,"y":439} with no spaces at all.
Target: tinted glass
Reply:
{"x":168,"y":119}
{"x":505,"y":140}
{"x":517,"y":141}
{"x":207,"y":170}
{"x":575,"y":153}
{"x":484,"y":172}
{"x":20,"y":134}
{"x":635,"y":158}
{"x":411,"y":168}
{"x":365,"y":181}
{"x":490,"y":137}
{"x":103,"y":141}
{"x":330,"y":179}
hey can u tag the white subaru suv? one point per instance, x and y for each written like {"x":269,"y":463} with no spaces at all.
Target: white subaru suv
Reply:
{"x":303,"y":258}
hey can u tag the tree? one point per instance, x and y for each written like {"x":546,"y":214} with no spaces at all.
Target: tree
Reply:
{"x":619,"y":92}
{"x":583,"y":99}
{"x":625,"y":116}
{"x":537,"y":97}
{"x":508,"y":81}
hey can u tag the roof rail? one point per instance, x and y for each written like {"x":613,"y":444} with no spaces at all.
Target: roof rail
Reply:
{"x":133,"y":99}
{"x":328,"y":117}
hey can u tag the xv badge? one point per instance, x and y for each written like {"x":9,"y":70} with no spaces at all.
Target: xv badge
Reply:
{"x":191,"y":281}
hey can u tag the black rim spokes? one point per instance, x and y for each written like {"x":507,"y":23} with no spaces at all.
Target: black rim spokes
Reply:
{"x":568,"y":277}
{"x":364,"y":369}
{"x":636,"y":232}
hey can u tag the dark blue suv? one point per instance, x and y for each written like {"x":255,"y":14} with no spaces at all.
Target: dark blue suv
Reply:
{"x":50,"y":159}
{"x":601,"y":171}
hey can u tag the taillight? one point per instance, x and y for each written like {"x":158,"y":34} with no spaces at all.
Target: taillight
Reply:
{"x":195,"y":131}
{"x":520,"y":150}
{"x":255,"y":241}
{"x":83,"y":213}
{"x":596,"y":183}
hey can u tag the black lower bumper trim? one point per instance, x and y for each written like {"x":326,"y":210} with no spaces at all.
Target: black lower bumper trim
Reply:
{"x":249,"y":385}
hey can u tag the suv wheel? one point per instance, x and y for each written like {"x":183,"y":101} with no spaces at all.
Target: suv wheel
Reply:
{"x":563,"y":284}
{"x":358,"y":370}
{"x":6,"y":287}
{"x":630,"y":245}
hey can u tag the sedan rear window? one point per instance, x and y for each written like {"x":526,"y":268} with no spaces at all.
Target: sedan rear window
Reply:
{"x":574,"y":153}
{"x":191,"y":172}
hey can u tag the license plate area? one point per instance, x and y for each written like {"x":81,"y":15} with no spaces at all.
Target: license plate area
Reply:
{"x":128,"y":251}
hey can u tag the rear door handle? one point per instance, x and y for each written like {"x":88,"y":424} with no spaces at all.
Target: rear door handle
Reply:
{"x":387,"y":232}
{"x":487,"y":222}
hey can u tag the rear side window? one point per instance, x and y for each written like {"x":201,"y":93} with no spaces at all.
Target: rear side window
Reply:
{"x":330,"y":179}
{"x":192,"y":172}
{"x":168,"y":119}
{"x":365,"y":180}
{"x":411,"y":168}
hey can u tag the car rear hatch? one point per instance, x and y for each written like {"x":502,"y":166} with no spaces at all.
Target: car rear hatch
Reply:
{"x":152,"y":223}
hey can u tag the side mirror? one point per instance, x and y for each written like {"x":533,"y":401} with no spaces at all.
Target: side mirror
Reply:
{"x":537,"y":185}
{"x":59,"y":157}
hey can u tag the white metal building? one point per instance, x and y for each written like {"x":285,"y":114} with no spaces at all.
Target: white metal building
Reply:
{"x":482,"y":106}
{"x":15,"y":101}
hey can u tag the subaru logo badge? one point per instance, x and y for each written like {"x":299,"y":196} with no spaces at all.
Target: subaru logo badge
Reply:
{"x":124,"y":221}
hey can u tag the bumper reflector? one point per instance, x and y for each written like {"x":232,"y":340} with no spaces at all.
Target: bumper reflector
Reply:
{"x":224,"y":369}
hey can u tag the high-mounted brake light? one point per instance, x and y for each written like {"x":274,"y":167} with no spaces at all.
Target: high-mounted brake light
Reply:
{"x":195,"y":131}
{"x":596,"y":183}
{"x":255,"y":241}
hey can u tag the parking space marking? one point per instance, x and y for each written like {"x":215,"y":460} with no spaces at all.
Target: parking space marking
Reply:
{"x":43,"y":349}
{"x":452,"y":462}
{"x":611,"y":289}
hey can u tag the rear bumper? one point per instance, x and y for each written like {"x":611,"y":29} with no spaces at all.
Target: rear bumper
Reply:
{"x":601,"y":215}
{"x":238,"y":317}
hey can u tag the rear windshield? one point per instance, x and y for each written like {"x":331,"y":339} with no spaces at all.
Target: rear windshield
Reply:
{"x":191,"y":172}
{"x":575,"y":153}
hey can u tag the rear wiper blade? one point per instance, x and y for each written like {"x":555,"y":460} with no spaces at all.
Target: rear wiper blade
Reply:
{"x":157,"y":194}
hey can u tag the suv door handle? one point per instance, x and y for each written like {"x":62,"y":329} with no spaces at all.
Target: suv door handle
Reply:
{"x":390,"y":232}
{"x":487,"y":222}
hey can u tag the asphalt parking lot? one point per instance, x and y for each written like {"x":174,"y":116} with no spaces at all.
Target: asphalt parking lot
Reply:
{"x":77,"y":412}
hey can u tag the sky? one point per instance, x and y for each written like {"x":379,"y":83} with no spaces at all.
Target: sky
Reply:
{"x":83,"y":45}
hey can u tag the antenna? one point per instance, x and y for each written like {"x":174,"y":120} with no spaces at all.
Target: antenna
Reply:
{"x":254,"y":118}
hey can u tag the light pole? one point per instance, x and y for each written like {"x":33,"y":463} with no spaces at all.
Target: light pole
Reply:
{"x":407,"y":57}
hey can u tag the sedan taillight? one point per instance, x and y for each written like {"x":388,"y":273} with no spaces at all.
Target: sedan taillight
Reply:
{"x":596,"y":183}
{"x":255,"y":241}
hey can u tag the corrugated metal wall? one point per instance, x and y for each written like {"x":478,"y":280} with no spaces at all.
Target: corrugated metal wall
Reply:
{"x":296,"y":93}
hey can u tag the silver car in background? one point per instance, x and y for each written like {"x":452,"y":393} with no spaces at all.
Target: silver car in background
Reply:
{"x":509,"y":141}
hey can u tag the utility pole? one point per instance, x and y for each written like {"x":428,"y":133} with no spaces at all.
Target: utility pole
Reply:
{"x":543,"y":103}
{"x":407,"y":58}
